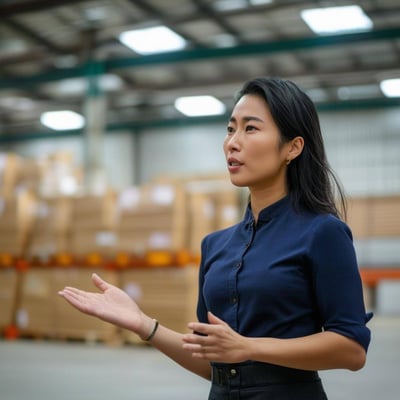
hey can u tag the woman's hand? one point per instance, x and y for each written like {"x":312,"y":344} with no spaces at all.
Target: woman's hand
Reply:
{"x":219,"y":343}
{"x":111,"y":304}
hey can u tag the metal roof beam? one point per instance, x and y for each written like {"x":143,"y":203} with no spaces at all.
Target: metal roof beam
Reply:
{"x":11,"y":9}
{"x":202,"y":54}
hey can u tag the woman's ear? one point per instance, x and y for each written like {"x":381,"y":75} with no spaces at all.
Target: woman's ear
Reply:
{"x":296,"y":146}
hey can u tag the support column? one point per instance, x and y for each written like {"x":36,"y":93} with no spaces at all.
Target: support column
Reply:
{"x":95,"y":110}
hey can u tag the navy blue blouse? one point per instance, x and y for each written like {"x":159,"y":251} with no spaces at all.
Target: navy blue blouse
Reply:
{"x":290,"y":275}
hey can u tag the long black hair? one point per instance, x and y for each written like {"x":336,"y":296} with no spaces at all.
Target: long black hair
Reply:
{"x":310,"y":180}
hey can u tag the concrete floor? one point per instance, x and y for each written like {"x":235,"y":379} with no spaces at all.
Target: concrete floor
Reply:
{"x":46,"y":370}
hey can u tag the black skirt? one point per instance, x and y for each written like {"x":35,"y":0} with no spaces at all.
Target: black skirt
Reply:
{"x":261,"y":381}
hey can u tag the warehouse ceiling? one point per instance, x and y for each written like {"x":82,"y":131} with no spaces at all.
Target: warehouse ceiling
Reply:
{"x":49,"y":50}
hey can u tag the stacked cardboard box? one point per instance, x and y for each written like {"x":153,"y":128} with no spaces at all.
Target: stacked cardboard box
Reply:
{"x":228,"y":206}
{"x":151,"y":217}
{"x":49,"y":234}
{"x":16,"y":218}
{"x":213,"y":204}
{"x":358,"y":217}
{"x":71,"y":323}
{"x":8,"y":293}
{"x":42,"y":313}
{"x":30,"y":175}
{"x":11,"y":241}
{"x":35,"y":314}
{"x":201,"y":217}
{"x":10,"y":167}
{"x":93,"y":224}
{"x":167,"y":294}
{"x":371,"y":217}
{"x":59,"y":175}
{"x":385,"y":216}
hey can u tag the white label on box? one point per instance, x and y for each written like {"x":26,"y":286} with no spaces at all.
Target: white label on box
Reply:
{"x":129,"y":198}
{"x":209,"y":209}
{"x":36,"y":286}
{"x":42,"y":210}
{"x":229,"y":213}
{"x":3,"y":162}
{"x":163,"y":194}
{"x":160,"y":240}
{"x":22,"y":318}
{"x":106,"y":238}
{"x":133,"y":290}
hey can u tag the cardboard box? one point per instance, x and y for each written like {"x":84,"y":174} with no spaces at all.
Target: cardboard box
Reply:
{"x":16,"y":216}
{"x":50,"y":228}
{"x":385,"y":216}
{"x":151,"y":217}
{"x":86,"y":242}
{"x":10,"y":168}
{"x":8,"y":296}
{"x":42,"y":312}
{"x":71,"y":323}
{"x":169,"y":295}
{"x":36,"y":313}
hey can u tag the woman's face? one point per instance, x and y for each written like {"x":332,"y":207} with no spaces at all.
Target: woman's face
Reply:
{"x":255,"y":155}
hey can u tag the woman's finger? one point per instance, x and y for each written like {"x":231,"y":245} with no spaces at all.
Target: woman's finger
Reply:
{"x":100,"y":283}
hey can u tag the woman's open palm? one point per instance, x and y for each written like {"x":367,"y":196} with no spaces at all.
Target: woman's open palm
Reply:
{"x":111,"y":304}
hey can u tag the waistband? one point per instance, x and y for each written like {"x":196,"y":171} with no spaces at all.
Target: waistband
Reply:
{"x":257,"y":374}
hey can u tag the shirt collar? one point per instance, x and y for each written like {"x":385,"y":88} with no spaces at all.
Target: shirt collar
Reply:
{"x":267,"y":213}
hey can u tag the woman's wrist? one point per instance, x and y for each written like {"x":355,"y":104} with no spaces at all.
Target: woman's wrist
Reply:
{"x":153,"y":331}
{"x":150,"y":326}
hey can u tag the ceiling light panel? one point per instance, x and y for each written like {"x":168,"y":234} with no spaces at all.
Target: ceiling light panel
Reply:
{"x":62,"y":120}
{"x":331,"y":20}
{"x":195,"y":106}
{"x":391,"y":87}
{"x":157,"y":39}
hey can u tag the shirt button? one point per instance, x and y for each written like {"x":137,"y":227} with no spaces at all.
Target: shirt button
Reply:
{"x":233,"y":372}
{"x":234,"y":300}
{"x":238,"y":265}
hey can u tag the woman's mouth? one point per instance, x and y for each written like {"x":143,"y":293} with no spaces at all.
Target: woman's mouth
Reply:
{"x":234,"y":165}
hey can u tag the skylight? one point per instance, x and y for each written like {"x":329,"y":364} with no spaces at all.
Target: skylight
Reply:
{"x":331,"y":20}
{"x":62,"y":120}
{"x":195,"y":106}
{"x":391,"y":87}
{"x":158,"y":39}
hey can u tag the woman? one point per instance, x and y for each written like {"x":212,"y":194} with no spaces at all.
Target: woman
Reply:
{"x":280,"y":296}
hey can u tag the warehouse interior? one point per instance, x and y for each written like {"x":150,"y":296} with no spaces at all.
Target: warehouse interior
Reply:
{"x":130,"y":182}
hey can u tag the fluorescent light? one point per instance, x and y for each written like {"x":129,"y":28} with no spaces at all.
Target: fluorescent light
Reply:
{"x":391,"y":87}
{"x":336,"y":19}
{"x":152,"y":40}
{"x":195,"y":106}
{"x":62,"y":120}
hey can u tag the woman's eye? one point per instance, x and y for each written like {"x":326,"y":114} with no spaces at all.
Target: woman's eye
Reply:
{"x":229,"y":129}
{"x":250,"y":128}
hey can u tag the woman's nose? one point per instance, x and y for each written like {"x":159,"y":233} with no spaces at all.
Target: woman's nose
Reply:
{"x":233,"y":142}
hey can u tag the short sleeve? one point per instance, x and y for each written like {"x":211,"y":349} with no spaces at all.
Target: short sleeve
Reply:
{"x":201,"y":304}
{"x":337,"y":282}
